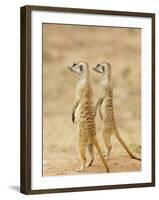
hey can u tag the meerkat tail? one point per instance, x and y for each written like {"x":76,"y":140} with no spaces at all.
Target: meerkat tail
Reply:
{"x":125,"y":146}
{"x":100,"y":153}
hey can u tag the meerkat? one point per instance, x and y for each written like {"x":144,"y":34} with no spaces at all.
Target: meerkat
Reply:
{"x":83,"y":114}
{"x":108,"y":118}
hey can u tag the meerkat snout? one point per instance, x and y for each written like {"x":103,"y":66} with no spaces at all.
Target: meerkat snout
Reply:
{"x":70,"y":67}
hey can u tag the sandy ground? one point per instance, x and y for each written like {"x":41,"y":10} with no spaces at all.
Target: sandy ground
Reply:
{"x":61,"y":156}
{"x":69,"y":165}
{"x":63,"y":45}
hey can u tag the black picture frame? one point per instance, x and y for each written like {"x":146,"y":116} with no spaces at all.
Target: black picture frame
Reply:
{"x":25,"y":154}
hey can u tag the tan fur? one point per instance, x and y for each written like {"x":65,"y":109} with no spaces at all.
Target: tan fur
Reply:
{"x":84,"y":115}
{"x":108,"y":118}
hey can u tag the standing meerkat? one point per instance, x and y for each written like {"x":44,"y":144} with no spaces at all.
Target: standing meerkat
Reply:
{"x":84,"y":114}
{"x":108,"y":118}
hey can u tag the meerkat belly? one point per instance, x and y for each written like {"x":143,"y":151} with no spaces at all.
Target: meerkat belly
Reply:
{"x":86,"y":119}
{"x":109,"y":118}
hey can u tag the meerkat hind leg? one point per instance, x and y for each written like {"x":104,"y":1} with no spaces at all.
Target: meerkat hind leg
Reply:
{"x":91,"y":152}
{"x":82,"y":147}
{"x":107,"y":141}
{"x":116,"y":132}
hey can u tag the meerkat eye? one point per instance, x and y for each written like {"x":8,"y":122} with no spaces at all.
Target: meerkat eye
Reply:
{"x":81,"y":67}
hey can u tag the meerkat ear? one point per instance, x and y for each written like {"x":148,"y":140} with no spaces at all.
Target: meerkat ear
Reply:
{"x":81,"y":67}
{"x":103,"y":68}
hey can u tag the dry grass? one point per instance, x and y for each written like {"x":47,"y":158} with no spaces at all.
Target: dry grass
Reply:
{"x":63,"y":44}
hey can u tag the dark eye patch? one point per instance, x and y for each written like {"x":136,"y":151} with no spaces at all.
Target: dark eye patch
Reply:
{"x":74,"y":64}
{"x":97,"y":65}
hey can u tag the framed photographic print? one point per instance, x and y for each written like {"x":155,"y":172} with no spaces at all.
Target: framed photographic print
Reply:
{"x":87,"y":99}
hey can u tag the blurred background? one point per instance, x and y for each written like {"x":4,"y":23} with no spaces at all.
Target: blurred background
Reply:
{"x":64,"y":44}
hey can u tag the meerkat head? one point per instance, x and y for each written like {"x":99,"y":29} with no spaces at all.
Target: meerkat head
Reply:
{"x":79,"y":68}
{"x":103,"y":68}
